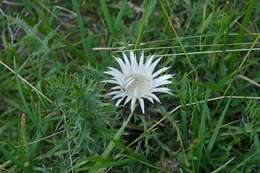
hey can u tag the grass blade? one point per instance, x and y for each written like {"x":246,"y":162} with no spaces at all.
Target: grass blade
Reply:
{"x":241,"y":36}
{"x":82,"y":28}
{"x":217,"y":128}
{"x":147,"y":13}
{"x":108,"y":18}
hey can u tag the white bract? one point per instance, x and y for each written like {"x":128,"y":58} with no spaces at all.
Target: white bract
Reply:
{"x":137,"y":80}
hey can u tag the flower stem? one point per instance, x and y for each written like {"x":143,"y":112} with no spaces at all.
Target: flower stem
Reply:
{"x":111,"y":144}
{"x":116,"y":137}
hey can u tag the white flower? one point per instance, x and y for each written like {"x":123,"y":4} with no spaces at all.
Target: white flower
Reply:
{"x":137,"y":81}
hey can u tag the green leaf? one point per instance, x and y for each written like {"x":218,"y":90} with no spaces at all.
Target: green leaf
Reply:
{"x":217,"y":128}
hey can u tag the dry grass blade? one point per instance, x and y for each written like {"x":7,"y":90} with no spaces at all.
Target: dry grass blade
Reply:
{"x":248,"y":80}
{"x":242,"y":63}
{"x":208,"y":52}
{"x":124,"y":49}
{"x":186,"y":37}
{"x":178,"y":39}
{"x":4,"y":165}
{"x":26,"y":82}
{"x":224,"y":165}
{"x":44,"y":138}
{"x":191,"y":104}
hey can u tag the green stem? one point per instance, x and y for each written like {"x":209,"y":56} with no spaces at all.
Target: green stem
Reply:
{"x":111,"y":144}
{"x":117,"y":136}
{"x":249,"y":12}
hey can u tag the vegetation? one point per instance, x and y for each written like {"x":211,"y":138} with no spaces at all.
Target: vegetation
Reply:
{"x":55,"y":116}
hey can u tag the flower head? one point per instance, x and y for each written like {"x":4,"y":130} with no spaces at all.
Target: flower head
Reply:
{"x":137,"y":81}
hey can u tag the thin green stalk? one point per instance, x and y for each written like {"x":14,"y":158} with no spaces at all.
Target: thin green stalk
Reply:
{"x":178,"y":39}
{"x":108,"y":18}
{"x":37,"y":91}
{"x":217,"y":128}
{"x":82,"y":27}
{"x":111,"y":144}
{"x":240,"y":37}
{"x":117,"y":136}
{"x":147,"y":12}
{"x":240,"y":65}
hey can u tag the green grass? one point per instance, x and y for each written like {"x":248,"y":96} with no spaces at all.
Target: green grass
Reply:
{"x":55,"y":117}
